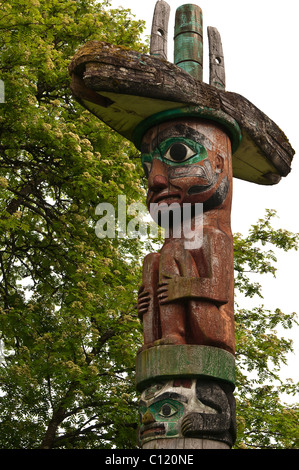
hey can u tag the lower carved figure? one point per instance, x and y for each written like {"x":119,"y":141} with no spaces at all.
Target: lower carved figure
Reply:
{"x":185,"y":408}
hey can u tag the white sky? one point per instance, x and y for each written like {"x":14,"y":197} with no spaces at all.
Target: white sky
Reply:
{"x":260,"y":40}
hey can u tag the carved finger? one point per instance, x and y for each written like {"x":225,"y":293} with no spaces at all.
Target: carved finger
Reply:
{"x":186,"y":425}
{"x":160,"y":290}
{"x":163,"y":294}
{"x":144,"y":298}
{"x":163,"y":300}
{"x":144,"y":305}
{"x":164,"y":283}
{"x":143,"y":294}
{"x":192,"y":422}
{"x":142,"y":311}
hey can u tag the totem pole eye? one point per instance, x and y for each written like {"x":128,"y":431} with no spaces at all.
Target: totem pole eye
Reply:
{"x":179,"y":152}
{"x":167,"y":410}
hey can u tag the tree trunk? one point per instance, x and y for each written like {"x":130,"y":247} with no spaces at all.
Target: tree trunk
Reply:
{"x":57,"y":418}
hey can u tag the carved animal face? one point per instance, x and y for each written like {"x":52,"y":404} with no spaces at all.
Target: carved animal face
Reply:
{"x":187,"y":161}
{"x":163,"y":408}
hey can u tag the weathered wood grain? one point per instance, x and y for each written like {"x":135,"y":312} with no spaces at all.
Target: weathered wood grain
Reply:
{"x":216,"y":59}
{"x":159,"y":33}
{"x":187,"y":443}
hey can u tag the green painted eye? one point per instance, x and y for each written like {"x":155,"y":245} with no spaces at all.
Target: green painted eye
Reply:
{"x":179,"y":152}
{"x":167,"y":410}
{"x":175,"y":151}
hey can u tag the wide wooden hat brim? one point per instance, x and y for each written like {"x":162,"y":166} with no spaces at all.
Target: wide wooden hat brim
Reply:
{"x":130,"y":92}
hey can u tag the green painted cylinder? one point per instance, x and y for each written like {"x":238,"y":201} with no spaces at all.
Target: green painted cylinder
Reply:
{"x":188,"y":40}
{"x":168,"y":362}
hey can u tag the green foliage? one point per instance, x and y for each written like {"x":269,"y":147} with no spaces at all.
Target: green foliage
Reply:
{"x":67,"y":317}
{"x":250,"y":256}
{"x":68,"y":322}
{"x":264,"y":421}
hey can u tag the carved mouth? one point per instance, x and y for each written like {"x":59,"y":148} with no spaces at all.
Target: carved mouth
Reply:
{"x":166,"y":197}
{"x":151,"y":430}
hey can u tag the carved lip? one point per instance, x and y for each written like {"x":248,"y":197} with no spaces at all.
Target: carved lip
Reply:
{"x":153,"y":429}
{"x":166,"y":196}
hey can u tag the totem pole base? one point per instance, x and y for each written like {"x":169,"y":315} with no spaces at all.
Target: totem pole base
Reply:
{"x":186,"y":397}
{"x":187,"y":443}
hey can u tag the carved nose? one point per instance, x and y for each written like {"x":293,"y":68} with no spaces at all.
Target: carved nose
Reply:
{"x":158,"y":182}
{"x":148,"y":418}
{"x":157,"y":179}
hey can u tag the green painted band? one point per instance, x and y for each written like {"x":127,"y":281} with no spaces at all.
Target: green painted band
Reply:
{"x":166,"y":362}
{"x":230,"y":125}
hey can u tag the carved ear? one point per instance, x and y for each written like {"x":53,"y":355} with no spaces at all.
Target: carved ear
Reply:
{"x":219,"y":164}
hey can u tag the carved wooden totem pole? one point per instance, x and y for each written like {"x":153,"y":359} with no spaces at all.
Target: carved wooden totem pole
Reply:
{"x":193,"y":137}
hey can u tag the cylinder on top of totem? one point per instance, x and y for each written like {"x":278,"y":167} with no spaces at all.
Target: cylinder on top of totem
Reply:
{"x":188,"y":40}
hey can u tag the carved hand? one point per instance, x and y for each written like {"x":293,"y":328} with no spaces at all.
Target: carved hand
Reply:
{"x":192,"y":424}
{"x":176,"y":288}
{"x":143,"y":303}
{"x":165,"y":290}
{"x":181,"y":287}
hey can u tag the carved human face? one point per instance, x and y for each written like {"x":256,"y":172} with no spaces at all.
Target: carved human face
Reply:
{"x":187,"y":161}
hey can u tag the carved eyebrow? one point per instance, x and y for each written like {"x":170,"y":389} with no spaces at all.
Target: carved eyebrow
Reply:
{"x":172,"y":395}
{"x":184,"y":131}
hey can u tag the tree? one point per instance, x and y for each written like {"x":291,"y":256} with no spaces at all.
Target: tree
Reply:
{"x":68,"y":322}
{"x":67,"y":319}
{"x":264,"y":420}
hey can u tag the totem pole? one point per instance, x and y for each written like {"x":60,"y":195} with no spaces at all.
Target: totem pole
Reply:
{"x":193,"y":137}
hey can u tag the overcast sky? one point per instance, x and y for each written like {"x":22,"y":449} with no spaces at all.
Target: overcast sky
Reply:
{"x":260,"y":41}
